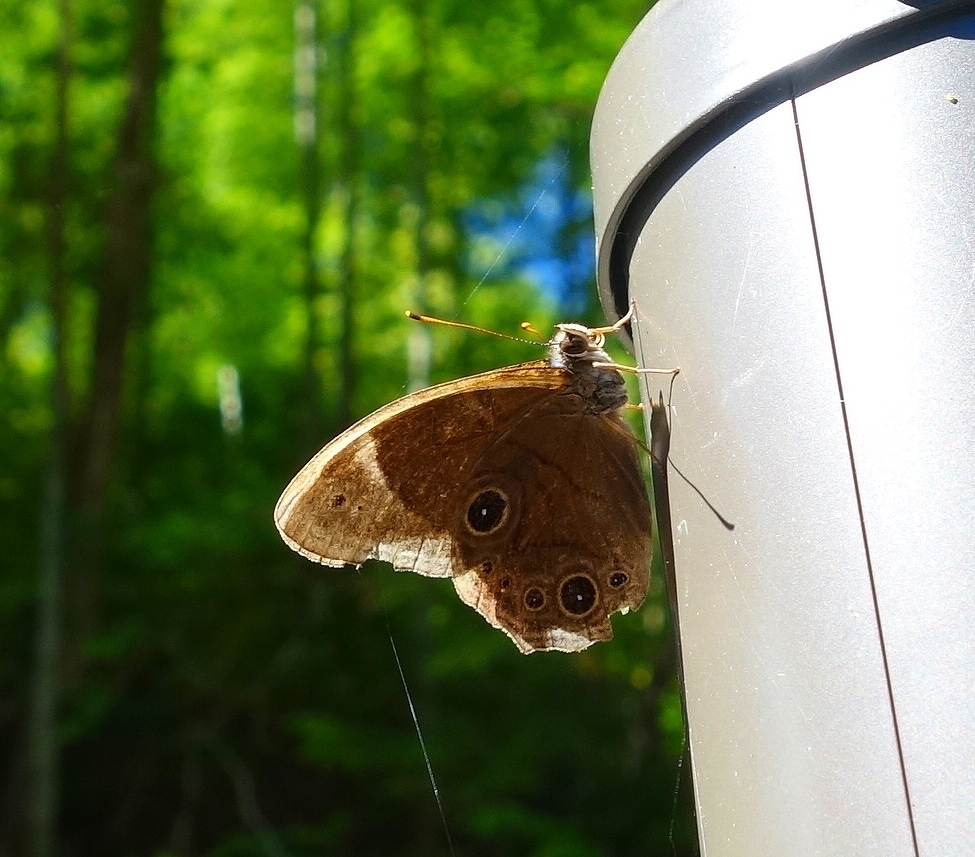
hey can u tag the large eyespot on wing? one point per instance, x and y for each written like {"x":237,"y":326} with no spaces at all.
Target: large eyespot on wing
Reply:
{"x":488,"y":514}
{"x":487,"y":511}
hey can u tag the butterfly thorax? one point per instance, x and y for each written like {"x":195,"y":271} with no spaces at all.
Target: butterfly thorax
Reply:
{"x":580,"y":350}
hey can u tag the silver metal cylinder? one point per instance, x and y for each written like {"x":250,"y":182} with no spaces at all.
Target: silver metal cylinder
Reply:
{"x":788,"y":192}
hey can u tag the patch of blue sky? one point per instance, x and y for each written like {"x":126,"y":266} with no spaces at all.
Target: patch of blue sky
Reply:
{"x":544,"y":234}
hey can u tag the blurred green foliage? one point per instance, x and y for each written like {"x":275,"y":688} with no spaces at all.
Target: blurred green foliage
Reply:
{"x":218,"y":694}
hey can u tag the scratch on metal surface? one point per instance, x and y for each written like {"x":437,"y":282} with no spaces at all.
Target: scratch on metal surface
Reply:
{"x":752,"y":236}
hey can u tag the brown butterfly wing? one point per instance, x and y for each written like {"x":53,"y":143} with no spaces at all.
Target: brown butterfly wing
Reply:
{"x":504,"y":481}
{"x":553,"y":535}
{"x":385,"y":488}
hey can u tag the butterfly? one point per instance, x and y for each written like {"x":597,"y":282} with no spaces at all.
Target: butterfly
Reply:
{"x":522,"y":484}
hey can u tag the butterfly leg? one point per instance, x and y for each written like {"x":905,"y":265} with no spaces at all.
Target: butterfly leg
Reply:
{"x":638,"y":370}
{"x":619,"y":367}
{"x":613,"y":328}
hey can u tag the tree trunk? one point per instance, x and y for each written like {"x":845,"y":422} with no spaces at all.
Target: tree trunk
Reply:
{"x":122,"y":291}
{"x":419,"y":348}
{"x":347,"y":183}
{"x":307,"y":136}
{"x":42,"y":731}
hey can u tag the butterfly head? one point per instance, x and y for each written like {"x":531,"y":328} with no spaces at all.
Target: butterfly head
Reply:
{"x":574,"y":343}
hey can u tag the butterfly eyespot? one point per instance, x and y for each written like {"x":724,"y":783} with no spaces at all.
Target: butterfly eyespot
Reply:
{"x":534,"y":598}
{"x":618,"y":578}
{"x":578,"y":594}
{"x":487,"y":511}
{"x":504,"y":583}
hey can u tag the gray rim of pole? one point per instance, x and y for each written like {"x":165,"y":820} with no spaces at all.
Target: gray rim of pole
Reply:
{"x":617,"y":234}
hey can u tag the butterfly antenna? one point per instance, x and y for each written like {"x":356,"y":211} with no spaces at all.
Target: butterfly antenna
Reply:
{"x":429,"y":319}
{"x":728,"y":525}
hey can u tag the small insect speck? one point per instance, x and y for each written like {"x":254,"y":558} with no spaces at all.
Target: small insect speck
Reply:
{"x":951,"y":99}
